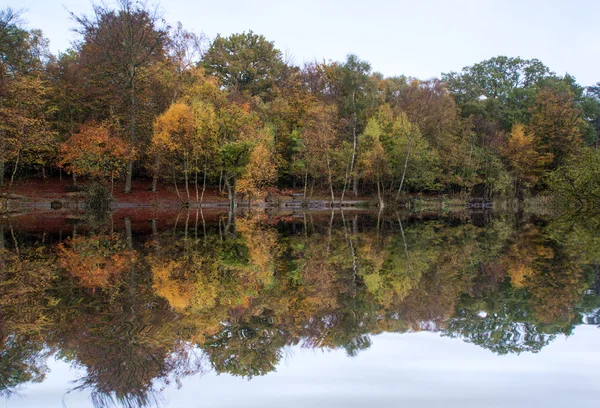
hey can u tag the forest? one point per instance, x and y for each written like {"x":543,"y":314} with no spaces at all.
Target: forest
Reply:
{"x":136,"y":97}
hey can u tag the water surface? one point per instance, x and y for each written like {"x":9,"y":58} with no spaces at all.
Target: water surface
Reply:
{"x":203,"y":308}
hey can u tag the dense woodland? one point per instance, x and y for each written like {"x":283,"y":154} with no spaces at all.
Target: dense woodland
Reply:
{"x":137,"y":97}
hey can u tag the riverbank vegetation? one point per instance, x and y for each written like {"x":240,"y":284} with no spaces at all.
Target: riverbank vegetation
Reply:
{"x":136,"y":97}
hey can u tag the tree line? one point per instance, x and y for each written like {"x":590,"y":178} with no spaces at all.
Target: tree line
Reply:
{"x":135,"y":96}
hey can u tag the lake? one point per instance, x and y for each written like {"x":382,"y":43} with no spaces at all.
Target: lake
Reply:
{"x":201,"y":308}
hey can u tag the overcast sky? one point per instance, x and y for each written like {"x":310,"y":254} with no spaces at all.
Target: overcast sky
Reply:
{"x":415,"y":38}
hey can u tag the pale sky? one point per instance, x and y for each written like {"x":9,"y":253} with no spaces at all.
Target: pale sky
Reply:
{"x":415,"y":38}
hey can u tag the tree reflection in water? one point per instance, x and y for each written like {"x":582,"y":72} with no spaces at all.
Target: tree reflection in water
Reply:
{"x":141,"y":310}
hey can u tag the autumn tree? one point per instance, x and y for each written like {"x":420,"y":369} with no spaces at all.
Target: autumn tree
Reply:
{"x":319,"y":140}
{"x":185,"y":52}
{"x":556,"y":124}
{"x":174,"y":137}
{"x":525,"y":163}
{"x":373,"y":163}
{"x":354,"y":90}
{"x":239,"y":131}
{"x":261,"y":170}
{"x":96,"y":151}
{"x":404,"y":156}
{"x":123,"y":48}
{"x":96,"y":261}
{"x":25,"y":133}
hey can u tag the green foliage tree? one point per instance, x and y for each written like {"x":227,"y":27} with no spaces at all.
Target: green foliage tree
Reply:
{"x":246,"y":63}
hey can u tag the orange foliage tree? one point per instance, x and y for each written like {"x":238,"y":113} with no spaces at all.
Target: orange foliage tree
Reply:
{"x":96,"y":261}
{"x":96,"y":152}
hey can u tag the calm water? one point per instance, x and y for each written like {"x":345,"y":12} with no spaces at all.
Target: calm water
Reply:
{"x":352,"y":309}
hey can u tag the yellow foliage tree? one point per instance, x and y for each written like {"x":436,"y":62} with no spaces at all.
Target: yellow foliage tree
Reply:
{"x":174,"y":138}
{"x":525,"y":162}
{"x":260,"y":171}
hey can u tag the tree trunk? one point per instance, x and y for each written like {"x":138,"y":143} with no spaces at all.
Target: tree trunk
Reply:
{"x":187,"y":187}
{"x":2,"y":164}
{"x":203,"y":184}
{"x":177,"y":189}
{"x":221,"y":182}
{"x":132,"y":115}
{"x":354,"y":150}
{"x":403,"y":175}
{"x":196,"y":182}
{"x":330,"y":180}
{"x":156,"y":173}
{"x":305,"y":182}
{"x":381,"y":204}
{"x":128,"y":233}
{"x":128,"y":176}
{"x":231,"y":193}
{"x":155,"y":237}
{"x":12,"y":177}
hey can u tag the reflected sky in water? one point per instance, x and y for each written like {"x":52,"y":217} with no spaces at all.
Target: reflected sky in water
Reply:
{"x":418,"y":370}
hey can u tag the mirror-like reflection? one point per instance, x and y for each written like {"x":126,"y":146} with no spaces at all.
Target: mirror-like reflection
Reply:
{"x":142,"y":302}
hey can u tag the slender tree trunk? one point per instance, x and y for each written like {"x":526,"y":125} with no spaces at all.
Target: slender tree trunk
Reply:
{"x":132,"y":116}
{"x":235,"y":196}
{"x":221,"y":182}
{"x":305,"y":182}
{"x":381,"y":204}
{"x":187,"y":222}
{"x":155,"y":235}
{"x":330,"y":180}
{"x":177,"y":189}
{"x":196,"y":182}
{"x":12,"y":176}
{"x":14,"y":238}
{"x":350,"y":244}
{"x":128,"y":233}
{"x":203,"y":183}
{"x":354,"y":148}
{"x":403,"y":175}
{"x":156,"y":173}
{"x":186,"y":173}
{"x":346,"y":175}
{"x":231,"y":193}
{"x":203,"y":224}
{"x":404,"y":241}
